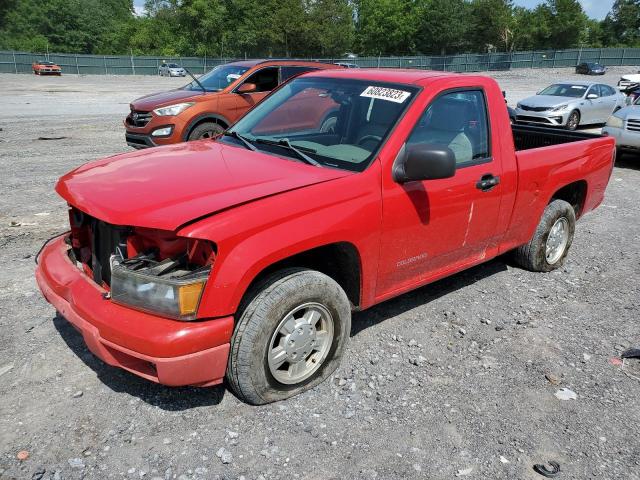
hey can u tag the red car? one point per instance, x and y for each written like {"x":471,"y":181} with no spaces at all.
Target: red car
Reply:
{"x":46,"y":68}
{"x":244,"y":256}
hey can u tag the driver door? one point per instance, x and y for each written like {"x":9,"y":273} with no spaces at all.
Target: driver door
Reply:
{"x":265,"y":80}
{"x":435,"y":226}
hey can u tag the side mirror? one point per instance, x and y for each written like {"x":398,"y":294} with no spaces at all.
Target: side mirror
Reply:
{"x":592,"y":96}
{"x":424,"y":161}
{"x":247,"y":88}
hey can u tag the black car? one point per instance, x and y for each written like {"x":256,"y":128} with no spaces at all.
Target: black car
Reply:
{"x":589,"y":68}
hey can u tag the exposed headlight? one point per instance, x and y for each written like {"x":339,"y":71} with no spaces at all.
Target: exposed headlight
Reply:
{"x":559,"y":108}
{"x":172,"y":109}
{"x":615,"y":122}
{"x":162,"y":132}
{"x":518,"y":105}
{"x":175,"y":297}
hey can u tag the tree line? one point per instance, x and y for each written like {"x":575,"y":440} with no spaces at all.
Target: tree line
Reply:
{"x":309,"y":28}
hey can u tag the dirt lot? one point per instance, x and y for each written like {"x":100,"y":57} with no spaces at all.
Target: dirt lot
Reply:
{"x":448,"y":380}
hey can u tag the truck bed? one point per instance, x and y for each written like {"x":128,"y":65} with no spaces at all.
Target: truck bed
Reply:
{"x":526,"y":137}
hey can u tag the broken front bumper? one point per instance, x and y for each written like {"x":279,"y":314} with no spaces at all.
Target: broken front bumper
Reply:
{"x":165,"y":351}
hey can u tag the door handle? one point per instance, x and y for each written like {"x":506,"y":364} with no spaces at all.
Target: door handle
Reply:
{"x":487,"y":182}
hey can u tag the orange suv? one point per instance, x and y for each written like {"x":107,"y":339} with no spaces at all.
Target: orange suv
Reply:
{"x":208,"y":105}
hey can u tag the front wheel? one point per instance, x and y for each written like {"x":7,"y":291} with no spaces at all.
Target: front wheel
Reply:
{"x":549,"y":246}
{"x":206,"y":130}
{"x":291,"y":335}
{"x":573,"y":121}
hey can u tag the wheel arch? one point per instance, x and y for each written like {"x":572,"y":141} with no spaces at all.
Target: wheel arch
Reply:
{"x":339,"y":261}
{"x":574,"y":193}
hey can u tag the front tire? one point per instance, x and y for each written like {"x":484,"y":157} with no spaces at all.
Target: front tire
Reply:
{"x":206,"y":130}
{"x":549,"y":246}
{"x":290,"y":336}
{"x":573,"y":122}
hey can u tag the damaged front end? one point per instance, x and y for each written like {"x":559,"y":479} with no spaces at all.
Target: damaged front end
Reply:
{"x":147,"y":269}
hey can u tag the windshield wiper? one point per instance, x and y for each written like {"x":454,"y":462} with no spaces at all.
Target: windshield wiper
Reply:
{"x":284,"y":142}
{"x":237,"y":136}
{"x":195,"y":80}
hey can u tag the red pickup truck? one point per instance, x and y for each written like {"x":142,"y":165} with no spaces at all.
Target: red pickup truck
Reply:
{"x":243,"y":256}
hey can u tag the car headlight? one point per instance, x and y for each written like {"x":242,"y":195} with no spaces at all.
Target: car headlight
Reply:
{"x":176,"y":297}
{"x":615,"y":122}
{"x":173,"y":109}
{"x":518,"y":105}
{"x":559,"y":108}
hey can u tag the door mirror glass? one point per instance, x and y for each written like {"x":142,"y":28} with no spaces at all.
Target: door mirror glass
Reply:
{"x":247,"y":88}
{"x":424,"y":161}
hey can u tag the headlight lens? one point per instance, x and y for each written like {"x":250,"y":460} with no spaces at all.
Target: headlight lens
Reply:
{"x":518,"y":105}
{"x":615,"y":122}
{"x":173,"y":109}
{"x":559,"y":108}
{"x":176,"y":298}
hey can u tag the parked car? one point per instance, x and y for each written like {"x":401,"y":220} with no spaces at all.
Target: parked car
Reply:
{"x":628,"y":79}
{"x":624,"y":126}
{"x":570,"y":105}
{"x":171,"y":70}
{"x":348,"y":65}
{"x":591,"y":68}
{"x":208,"y":105}
{"x":632,"y":92}
{"x":244,"y":256}
{"x":46,"y":68}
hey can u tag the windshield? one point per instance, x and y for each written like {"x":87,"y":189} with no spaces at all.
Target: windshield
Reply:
{"x":565,"y":90}
{"x":219,"y":78}
{"x":173,"y":65}
{"x":336,"y":122}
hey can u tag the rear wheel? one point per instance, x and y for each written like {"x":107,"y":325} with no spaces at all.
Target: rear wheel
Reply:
{"x":551,"y":241}
{"x":206,"y":130}
{"x":573,"y":121}
{"x":290,"y":336}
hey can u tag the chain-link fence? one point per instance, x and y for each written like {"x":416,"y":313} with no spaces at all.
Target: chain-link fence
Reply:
{"x":20,"y":62}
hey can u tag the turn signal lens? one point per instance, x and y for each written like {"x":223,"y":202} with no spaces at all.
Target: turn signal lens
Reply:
{"x":189,"y":297}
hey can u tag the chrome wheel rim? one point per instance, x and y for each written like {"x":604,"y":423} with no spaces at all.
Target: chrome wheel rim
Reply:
{"x":300,"y":343}
{"x":573,"y":121}
{"x":557,"y":240}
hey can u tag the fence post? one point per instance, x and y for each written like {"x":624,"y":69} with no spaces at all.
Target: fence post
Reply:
{"x":77,"y":67}
{"x":133,"y":67}
{"x":624,"y":52}
{"x":104,"y":61}
{"x":15,"y":65}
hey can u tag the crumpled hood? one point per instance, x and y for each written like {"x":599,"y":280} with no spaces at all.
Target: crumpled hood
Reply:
{"x":155,"y":100}
{"x":166,"y":187}
{"x":548,"y":101}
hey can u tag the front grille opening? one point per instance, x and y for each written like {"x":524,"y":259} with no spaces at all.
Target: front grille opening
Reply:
{"x":93,"y":242}
{"x":138,"y":119}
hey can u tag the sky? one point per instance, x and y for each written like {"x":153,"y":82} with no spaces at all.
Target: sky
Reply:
{"x":597,"y":9}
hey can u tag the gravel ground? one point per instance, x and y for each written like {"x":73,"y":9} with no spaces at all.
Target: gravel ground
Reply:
{"x":454,"y":379}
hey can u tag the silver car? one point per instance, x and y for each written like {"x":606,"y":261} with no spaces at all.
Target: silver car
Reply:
{"x":624,"y":126}
{"x":570,"y":104}
{"x":171,"y":70}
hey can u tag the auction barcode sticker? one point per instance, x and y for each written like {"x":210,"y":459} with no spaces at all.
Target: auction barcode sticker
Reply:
{"x":389,"y":94}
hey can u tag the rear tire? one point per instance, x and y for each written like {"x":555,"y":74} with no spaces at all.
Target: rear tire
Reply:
{"x":206,"y":130}
{"x":573,"y":122}
{"x":277,"y":351}
{"x":549,"y":246}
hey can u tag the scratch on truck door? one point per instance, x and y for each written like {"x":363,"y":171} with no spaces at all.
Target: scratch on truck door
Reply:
{"x":466,"y":233}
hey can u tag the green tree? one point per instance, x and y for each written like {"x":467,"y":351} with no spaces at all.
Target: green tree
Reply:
{"x":567,"y":24}
{"x":492,"y":24}
{"x":386,"y":27}
{"x":442,"y":26}
{"x":622,"y":24}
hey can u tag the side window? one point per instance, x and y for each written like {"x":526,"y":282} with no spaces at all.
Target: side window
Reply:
{"x":595,"y":90}
{"x":607,"y":91}
{"x":265,"y":79}
{"x":457,"y":120}
{"x":287,"y":72}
